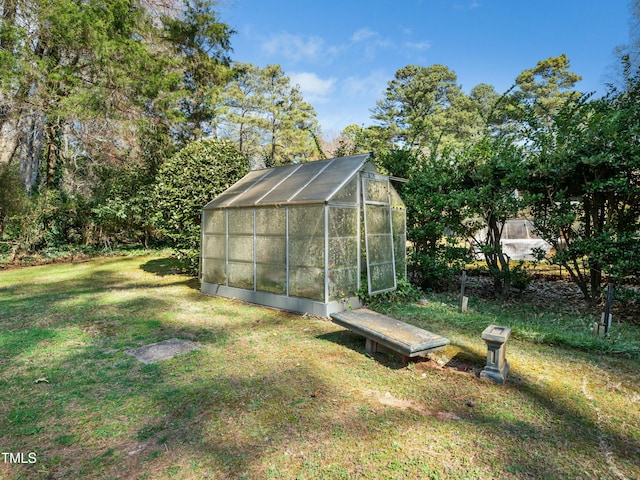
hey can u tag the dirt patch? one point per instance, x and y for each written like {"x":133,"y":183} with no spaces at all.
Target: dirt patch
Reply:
{"x":461,"y":363}
{"x":560,"y":293}
{"x":389,"y":400}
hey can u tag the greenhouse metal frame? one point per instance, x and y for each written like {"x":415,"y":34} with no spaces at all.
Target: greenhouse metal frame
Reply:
{"x":292,"y":237}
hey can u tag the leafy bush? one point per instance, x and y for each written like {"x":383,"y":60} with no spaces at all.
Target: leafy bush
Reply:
{"x":405,"y":292}
{"x":123,"y":213}
{"x":436,"y":255}
{"x":186,"y":183}
{"x":13,"y":200}
{"x":53,"y":219}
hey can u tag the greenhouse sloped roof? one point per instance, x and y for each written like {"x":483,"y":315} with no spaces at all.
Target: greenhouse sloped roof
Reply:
{"x":302,"y":183}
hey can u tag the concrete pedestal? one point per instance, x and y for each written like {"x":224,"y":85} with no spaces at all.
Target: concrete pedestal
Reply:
{"x":497,"y":366}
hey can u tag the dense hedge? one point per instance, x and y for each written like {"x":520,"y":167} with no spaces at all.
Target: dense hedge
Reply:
{"x":186,"y":183}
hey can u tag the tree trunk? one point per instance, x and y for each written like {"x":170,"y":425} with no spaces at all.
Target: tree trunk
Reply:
{"x":9,"y":139}
{"x":32,"y":149}
{"x":53,"y":156}
{"x":496,"y":260}
{"x":9,"y":133}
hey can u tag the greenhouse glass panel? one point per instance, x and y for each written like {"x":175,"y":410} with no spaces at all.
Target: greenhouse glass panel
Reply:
{"x":343,"y":283}
{"x":241,"y":249}
{"x":381,"y":276}
{"x":380,"y":249}
{"x":378,"y":219}
{"x":270,"y":221}
{"x":215,"y":246}
{"x":214,"y":271}
{"x":307,"y":282}
{"x":343,"y":222}
{"x":306,"y":252}
{"x":241,"y":221}
{"x":399,"y":250}
{"x":348,"y":193}
{"x":271,"y":278}
{"x":343,"y":252}
{"x":268,"y":184}
{"x":294,"y":183}
{"x":271,"y":250}
{"x":326,"y":185}
{"x":306,"y":221}
{"x":233,"y":193}
{"x":215,"y":221}
{"x":378,"y":236}
{"x":396,"y":201}
{"x":399,"y":219}
{"x":376,"y":190}
{"x":241,"y":275}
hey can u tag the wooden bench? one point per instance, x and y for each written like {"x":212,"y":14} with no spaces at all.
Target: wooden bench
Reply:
{"x":388,"y":333}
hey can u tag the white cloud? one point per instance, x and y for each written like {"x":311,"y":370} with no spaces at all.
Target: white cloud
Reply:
{"x":294,"y":47}
{"x":419,"y":45}
{"x":467,"y":6}
{"x":370,"y":86}
{"x":314,"y":88}
{"x":363,"y":34}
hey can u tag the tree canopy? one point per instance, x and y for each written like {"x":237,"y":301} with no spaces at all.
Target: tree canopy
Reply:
{"x":267,"y":117}
{"x":423,"y":105}
{"x":90,"y":78}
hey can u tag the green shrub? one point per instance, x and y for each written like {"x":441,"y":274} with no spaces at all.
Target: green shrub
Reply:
{"x":13,"y":201}
{"x":405,"y":292}
{"x":186,"y":183}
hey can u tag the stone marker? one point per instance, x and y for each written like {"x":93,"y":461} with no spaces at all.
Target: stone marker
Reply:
{"x":162,"y":350}
{"x":602,"y":329}
{"x":465,"y":304}
{"x":497,"y":366}
{"x":464,"y":300}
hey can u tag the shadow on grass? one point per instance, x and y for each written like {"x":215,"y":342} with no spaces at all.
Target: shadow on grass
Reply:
{"x":355,"y":342}
{"x":169,"y":266}
{"x":214,"y":411}
{"x":467,"y":361}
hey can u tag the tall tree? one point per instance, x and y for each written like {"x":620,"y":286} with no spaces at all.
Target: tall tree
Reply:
{"x":267,"y":117}
{"x":423,"y":105}
{"x":203,"y":42}
{"x":94,"y":94}
{"x":82,"y":74}
{"x":242,"y":100}
{"x":548,"y":85}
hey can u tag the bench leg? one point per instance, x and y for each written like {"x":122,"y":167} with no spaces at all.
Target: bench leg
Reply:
{"x":370,"y":347}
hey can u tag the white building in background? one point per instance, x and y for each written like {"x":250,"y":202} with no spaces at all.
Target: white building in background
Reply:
{"x":518,"y":240}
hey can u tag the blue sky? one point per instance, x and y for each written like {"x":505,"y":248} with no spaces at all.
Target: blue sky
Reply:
{"x":343,"y":53}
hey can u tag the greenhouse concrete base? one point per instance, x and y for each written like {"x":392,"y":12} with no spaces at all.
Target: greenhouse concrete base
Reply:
{"x":293,"y":304}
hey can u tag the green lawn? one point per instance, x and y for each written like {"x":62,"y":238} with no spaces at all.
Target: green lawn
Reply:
{"x":278,"y":395}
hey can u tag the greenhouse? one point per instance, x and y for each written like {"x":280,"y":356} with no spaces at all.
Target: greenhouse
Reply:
{"x":299,"y":236}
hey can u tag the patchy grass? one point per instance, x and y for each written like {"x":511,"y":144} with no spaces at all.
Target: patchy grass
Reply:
{"x":551,"y":326}
{"x":276,"y":395}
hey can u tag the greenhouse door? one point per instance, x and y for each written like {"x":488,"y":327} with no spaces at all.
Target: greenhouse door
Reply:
{"x":378,"y":234}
